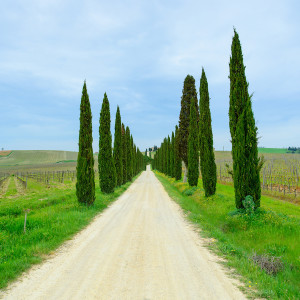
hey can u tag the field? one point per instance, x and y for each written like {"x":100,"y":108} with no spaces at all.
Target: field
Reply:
{"x":30,"y":157}
{"x":264,"y":248}
{"x":279,"y":175}
{"x":5,"y":153}
{"x":272,"y":150}
{"x":54,"y":215}
{"x":45,"y":185}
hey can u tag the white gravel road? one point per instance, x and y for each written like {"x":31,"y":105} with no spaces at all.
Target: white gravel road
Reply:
{"x":141,"y":247}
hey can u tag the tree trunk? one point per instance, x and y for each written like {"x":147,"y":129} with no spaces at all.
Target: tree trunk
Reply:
{"x":185,"y":172}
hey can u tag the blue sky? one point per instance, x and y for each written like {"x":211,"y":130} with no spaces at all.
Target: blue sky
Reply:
{"x":139,"y":53}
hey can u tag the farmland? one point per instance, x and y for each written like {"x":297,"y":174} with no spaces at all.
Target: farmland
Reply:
{"x":279,"y":175}
{"x":33,"y":157}
{"x":46,"y":186}
{"x":272,"y":150}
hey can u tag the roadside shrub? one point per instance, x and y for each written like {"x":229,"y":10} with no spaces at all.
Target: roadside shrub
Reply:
{"x":270,"y":264}
{"x":189,"y":192}
{"x":249,"y":205}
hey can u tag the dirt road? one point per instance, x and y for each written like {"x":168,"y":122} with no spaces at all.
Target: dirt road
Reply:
{"x":141,"y":247}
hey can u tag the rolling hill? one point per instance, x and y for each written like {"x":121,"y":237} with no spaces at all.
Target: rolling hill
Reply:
{"x":29,"y":157}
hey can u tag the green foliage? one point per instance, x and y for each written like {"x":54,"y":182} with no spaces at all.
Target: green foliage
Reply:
{"x":246,"y":164}
{"x":172,"y":157}
{"x":165,"y":155}
{"x":249,"y":205}
{"x":189,"y":191}
{"x":85,"y":186}
{"x":188,"y":92}
{"x":124,"y":154}
{"x":177,"y":159}
{"x":207,"y":156}
{"x":129,"y":155}
{"x":169,"y":156}
{"x":132,"y":156}
{"x":193,"y":146}
{"x":118,"y":156}
{"x":107,"y":171}
{"x":245,"y":159}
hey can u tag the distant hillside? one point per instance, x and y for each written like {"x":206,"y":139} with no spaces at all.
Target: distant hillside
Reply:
{"x":29,"y":157}
{"x":272,"y":150}
{"x":5,"y":153}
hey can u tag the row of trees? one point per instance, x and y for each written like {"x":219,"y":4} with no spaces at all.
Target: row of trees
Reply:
{"x":194,"y":138}
{"x":116,"y":166}
{"x":167,"y":159}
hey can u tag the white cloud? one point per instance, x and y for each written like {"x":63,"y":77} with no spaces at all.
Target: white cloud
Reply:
{"x":139,"y":53}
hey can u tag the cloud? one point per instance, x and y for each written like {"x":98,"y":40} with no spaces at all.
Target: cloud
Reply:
{"x":139,"y":53}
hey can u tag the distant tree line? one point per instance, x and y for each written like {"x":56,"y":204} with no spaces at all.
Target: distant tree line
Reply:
{"x":294,"y":149}
{"x":193,"y":138}
{"x":116,"y":165}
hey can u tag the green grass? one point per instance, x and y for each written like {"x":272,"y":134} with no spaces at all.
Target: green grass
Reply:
{"x":272,"y":150}
{"x":11,"y":190}
{"x":54,"y":217}
{"x":273,"y":231}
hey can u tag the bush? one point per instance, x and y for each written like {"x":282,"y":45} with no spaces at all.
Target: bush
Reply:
{"x":189,"y":192}
{"x":270,"y":264}
{"x":249,"y":205}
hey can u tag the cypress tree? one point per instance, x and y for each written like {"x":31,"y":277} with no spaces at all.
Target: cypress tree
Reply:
{"x":85,"y":185}
{"x":124,"y":154}
{"x":129,"y":155}
{"x":188,"y":92}
{"x":177,"y":159}
{"x":165,"y":145}
{"x":193,"y":147}
{"x":107,"y":170}
{"x":172,"y":167}
{"x":169,"y":156}
{"x":207,"y":156}
{"x":118,"y":158}
{"x":246,"y":164}
{"x":136,"y":168}
{"x":132,"y":156}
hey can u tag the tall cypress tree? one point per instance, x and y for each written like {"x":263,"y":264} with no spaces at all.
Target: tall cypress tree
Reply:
{"x":132,"y":155}
{"x":169,"y":156}
{"x":165,"y":145}
{"x":177,"y":159}
{"x":246,"y":164}
{"x":193,"y":146}
{"x":118,"y":149}
{"x":85,"y":185}
{"x":172,"y":167}
{"x":188,"y":92}
{"x":135,"y":160}
{"x":207,"y":156}
{"x":124,"y":154}
{"x":129,"y":155}
{"x":107,"y":170}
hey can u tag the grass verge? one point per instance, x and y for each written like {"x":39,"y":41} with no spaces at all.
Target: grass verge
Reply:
{"x":55,"y":216}
{"x":263,"y":248}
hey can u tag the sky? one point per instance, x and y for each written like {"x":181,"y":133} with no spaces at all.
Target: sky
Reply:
{"x":139,"y":53}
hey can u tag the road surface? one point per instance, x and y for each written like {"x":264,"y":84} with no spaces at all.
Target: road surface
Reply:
{"x":141,"y":247}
